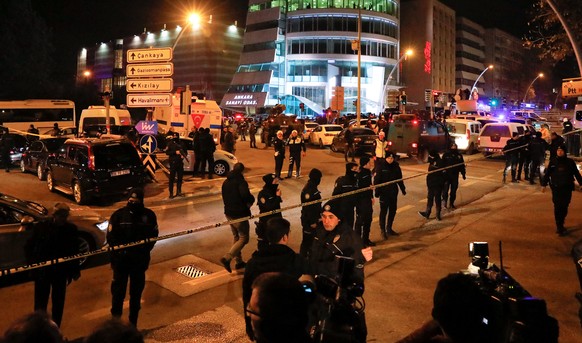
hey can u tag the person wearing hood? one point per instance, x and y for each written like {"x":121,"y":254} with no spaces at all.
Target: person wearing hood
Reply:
{"x":435,"y":181}
{"x":333,"y":239}
{"x":560,"y":175}
{"x":269,"y":199}
{"x":455,"y":165}
{"x":388,"y":172}
{"x":310,"y":214}
{"x":345,"y":184}
{"x":132,"y":223}
{"x":237,"y":199}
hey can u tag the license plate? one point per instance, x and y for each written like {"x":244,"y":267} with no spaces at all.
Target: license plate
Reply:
{"x":369,"y":142}
{"x":120,"y":172}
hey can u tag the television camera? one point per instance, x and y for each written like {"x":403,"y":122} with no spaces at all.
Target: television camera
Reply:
{"x":510,"y":313}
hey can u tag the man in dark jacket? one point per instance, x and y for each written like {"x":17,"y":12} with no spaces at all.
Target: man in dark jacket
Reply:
{"x":555,"y":141}
{"x":132,"y":223}
{"x":276,"y":256}
{"x":310,"y":214}
{"x":560,"y":175}
{"x":176,"y":156}
{"x":269,"y":199}
{"x":345,"y":184}
{"x":51,"y":240}
{"x":279,"y":145}
{"x":6,"y":143}
{"x":511,"y":151}
{"x":524,"y":160}
{"x":455,"y":165}
{"x":253,"y":134}
{"x":296,"y":150}
{"x":237,"y":200}
{"x":229,"y":140}
{"x":207,"y":149}
{"x":435,"y":181}
{"x":365,"y":204}
{"x":349,"y":136}
{"x":388,"y":172}
{"x":198,"y":156}
{"x":537,"y":150}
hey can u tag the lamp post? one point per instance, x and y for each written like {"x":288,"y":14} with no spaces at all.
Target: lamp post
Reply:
{"x":531,"y":84}
{"x":483,"y":72}
{"x":383,"y":95}
{"x":194,"y":21}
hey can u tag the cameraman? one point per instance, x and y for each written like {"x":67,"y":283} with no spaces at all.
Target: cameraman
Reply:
{"x":334,"y":238}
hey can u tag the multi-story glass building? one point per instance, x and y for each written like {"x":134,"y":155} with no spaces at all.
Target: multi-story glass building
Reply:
{"x":297,"y":51}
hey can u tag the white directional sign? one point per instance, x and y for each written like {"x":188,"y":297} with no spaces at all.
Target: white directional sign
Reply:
{"x":151,"y":69}
{"x":149,"y":100}
{"x":149,"y":85}
{"x":149,"y":55}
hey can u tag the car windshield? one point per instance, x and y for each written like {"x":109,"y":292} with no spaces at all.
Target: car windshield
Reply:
{"x":32,"y":206}
{"x":54,"y":144}
{"x":333,"y":128}
{"x":115,"y":155}
{"x":492,"y":130}
{"x":456,"y":127}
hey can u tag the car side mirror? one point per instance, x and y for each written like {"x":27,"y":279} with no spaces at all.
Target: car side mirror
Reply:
{"x":26,"y":223}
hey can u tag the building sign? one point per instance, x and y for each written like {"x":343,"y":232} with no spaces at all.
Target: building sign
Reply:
{"x":244,"y":99}
{"x":572,"y":88}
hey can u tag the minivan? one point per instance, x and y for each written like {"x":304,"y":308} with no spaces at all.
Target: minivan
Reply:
{"x":494,"y":136}
{"x":95,"y":115}
{"x":465,"y":133}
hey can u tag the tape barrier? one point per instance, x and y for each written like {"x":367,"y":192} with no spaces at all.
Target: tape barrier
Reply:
{"x":106,"y":249}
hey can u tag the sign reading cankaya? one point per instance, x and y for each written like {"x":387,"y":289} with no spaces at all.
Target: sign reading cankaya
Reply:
{"x":244,"y":99}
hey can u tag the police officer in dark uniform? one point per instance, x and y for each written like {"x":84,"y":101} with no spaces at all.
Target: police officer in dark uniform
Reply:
{"x":511,"y":151}
{"x":131,"y":223}
{"x":388,"y":171}
{"x":345,"y":184}
{"x":537,"y":149}
{"x":296,"y":149}
{"x":279,"y":145}
{"x":365,"y":204}
{"x":253,"y":134}
{"x":451,"y":158}
{"x":207,"y":149}
{"x":310,"y":214}
{"x":269,"y":200}
{"x":524,"y":156}
{"x":560,"y":176}
{"x":51,"y":240}
{"x":349,"y":136}
{"x":177,"y":155}
{"x":435,"y":181}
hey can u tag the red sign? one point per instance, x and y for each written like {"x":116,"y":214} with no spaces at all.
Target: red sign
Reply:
{"x":197,"y":119}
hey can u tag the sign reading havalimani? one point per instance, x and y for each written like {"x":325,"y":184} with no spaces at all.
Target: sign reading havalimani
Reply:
{"x":147,"y":73}
{"x":572,"y":88}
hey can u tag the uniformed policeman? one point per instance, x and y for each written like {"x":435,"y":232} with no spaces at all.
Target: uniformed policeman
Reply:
{"x":269,"y":200}
{"x":345,"y":184}
{"x":177,"y":155}
{"x":310,"y":215}
{"x":560,"y":176}
{"x":388,"y":172}
{"x":296,"y":150}
{"x":279,"y":145}
{"x":455,"y":165}
{"x":132,"y":223}
{"x":365,"y":204}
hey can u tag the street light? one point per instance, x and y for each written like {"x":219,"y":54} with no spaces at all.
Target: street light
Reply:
{"x":194,"y":21}
{"x":483,"y":72}
{"x":383,"y":95}
{"x":531,"y":84}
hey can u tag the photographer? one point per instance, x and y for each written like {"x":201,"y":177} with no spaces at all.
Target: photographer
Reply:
{"x":333,"y":239}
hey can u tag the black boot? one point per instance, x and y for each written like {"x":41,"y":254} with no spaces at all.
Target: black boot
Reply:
{"x":425,"y":215}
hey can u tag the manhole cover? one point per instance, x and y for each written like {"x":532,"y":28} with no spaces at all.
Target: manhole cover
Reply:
{"x":192,"y":271}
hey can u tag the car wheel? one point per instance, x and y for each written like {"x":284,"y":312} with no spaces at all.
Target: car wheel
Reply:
{"x":321,"y":146}
{"x":79,"y":194}
{"x":22,"y":166}
{"x":40,"y":172}
{"x":86,"y":244}
{"x":50,"y":182}
{"x":220,"y":168}
{"x":332,"y":147}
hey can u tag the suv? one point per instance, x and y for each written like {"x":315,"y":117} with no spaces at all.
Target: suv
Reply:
{"x":494,"y":136}
{"x":415,"y":137}
{"x":88,"y":168}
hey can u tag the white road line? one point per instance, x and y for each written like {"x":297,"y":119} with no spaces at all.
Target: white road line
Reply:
{"x":405,"y":208}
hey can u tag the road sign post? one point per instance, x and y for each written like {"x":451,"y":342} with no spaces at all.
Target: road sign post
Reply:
{"x":150,"y":55}
{"x":148,"y":73}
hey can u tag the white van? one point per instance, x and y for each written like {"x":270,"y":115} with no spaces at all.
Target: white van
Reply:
{"x":95,"y":115}
{"x":465,"y":133}
{"x":494,"y":136}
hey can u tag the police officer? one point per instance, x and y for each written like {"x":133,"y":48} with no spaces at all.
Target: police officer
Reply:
{"x":269,"y":200}
{"x":365,"y":204}
{"x":207,"y":148}
{"x":560,"y":176}
{"x":310,"y":214}
{"x":177,"y":155}
{"x":296,"y":150}
{"x":345,"y":184}
{"x":279,"y":145}
{"x":51,"y":240}
{"x":455,"y":165}
{"x":435,"y":181}
{"x":131,"y":223}
{"x":524,"y":156}
{"x":5,"y":146}
{"x":537,"y":149}
{"x":388,"y":171}
{"x":350,"y":150}
{"x":253,"y":134}
{"x":511,"y":151}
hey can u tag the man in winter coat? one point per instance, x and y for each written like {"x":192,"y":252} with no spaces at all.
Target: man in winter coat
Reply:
{"x":269,"y":199}
{"x":388,"y":172}
{"x":511,"y":151}
{"x":207,"y":149}
{"x":310,"y":214}
{"x":365,"y":204}
{"x":345,"y":184}
{"x":279,"y":145}
{"x":296,"y":150}
{"x":176,"y":156}
{"x":455,"y":165}
{"x":435,"y":181}
{"x":537,"y":149}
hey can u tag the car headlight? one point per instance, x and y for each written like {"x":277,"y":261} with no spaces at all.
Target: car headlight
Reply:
{"x":103,"y":225}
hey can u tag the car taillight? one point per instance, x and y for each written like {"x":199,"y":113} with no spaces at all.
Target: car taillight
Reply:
{"x":414,"y":122}
{"x":389,"y":143}
{"x":357,"y":139}
{"x":478,"y":140}
{"x":468,"y":134}
{"x":415,"y":145}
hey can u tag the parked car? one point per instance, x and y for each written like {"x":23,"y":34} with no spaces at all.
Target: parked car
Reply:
{"x":19,"y":144}
{"x":363,"y":141}
{"x":92,"y":229}
{"x":308,"y":128}
{"x":323,"y":135}
{"x":494,"y":136}
{"x":36,"y":155}
{"x":88,"y":168}
{"x":415,"y":137}
{"x":66,"y":132}
{"x":224,"y":161}
{"x":465,"y":133}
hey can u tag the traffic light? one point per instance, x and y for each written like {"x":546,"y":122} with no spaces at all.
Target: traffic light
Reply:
{"x":493,"y":102}
{"x":403,"y":99}
{"x":301,"y":106}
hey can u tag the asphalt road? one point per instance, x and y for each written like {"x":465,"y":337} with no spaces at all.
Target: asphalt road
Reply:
{"x":400,"y":279}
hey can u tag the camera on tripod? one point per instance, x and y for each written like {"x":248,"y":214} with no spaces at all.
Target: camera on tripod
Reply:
{"x":510,"y":313}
